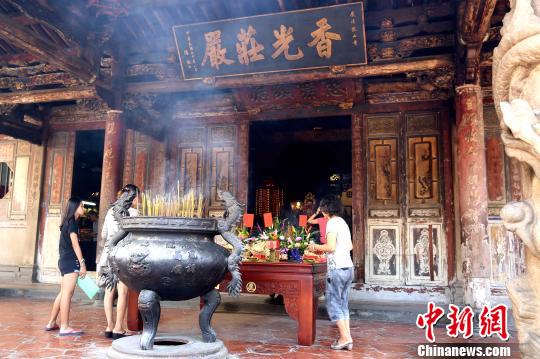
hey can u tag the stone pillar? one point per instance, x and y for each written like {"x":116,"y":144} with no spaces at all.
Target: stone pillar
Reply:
{"x":111,"y":175}
{"x":472,"y":187}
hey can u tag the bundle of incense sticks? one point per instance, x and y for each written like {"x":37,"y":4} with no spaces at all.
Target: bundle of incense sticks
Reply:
{"x":189,"y":205}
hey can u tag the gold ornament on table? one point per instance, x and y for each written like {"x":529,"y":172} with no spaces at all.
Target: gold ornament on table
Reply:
{"x":260,"y":251}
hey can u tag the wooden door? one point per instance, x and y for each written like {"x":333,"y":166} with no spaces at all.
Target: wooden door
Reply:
{"x":404,"y":199}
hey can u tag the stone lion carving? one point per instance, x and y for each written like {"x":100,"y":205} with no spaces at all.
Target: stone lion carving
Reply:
{"x":516,"y":84}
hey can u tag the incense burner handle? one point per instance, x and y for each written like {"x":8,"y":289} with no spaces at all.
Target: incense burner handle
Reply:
{"x":225,"y":225}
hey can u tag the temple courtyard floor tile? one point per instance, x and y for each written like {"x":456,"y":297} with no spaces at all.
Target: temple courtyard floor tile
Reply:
{"x":22,"y":335}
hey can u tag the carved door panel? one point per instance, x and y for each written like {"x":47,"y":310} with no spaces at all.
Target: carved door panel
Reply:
{"x":426,"y":262}
{"x":384,"y":252}
{"x":221,"y":172}
{"x":206,"y":162}
{"x":191,"y":160}
{"x":137,"y":159}
{"x":404,"y":200}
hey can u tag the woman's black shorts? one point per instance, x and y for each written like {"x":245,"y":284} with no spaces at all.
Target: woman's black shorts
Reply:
{"x":68,"y":265}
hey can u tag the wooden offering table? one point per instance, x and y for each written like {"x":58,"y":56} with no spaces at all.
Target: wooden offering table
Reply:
{"x":301,"y":285}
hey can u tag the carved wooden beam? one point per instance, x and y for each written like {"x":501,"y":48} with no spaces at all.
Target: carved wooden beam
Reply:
{"x":142,"y":6}
{"x":474,"y":18}
{"x":409,"y":15}
{"x":140,"y":120}
{"x":27,"y":83}
{"x":380,"y":69}
{"x":18,"y":59}
{"x":53,"y":95}
{"x":30,"y":42}
{"x":12,"y":123}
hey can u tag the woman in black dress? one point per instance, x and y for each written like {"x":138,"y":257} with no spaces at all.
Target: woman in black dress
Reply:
{"x":71,"y":265}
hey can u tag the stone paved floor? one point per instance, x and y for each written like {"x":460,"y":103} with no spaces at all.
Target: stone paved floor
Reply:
{"x":246,"y":335}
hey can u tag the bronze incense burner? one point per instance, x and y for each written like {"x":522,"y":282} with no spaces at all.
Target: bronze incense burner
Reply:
{"x":174,"y":258}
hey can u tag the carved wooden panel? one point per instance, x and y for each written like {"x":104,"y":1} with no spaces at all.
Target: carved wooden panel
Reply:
{"x":384,"y":213}
{"x":61,"y":151}
{"x":190,"y":160}
{"x":7,"y":150}
{"x":222,"y":172}
{"x":420,"y":123}
{"x":222,"y":134}
{"x":384,"y":248}
{"x":382,"y":125}
{"x":57,"y":177}
{"x":20,"y":186}
{"x":495,"y":159}
{"x":141,"y":164}
{"x":24,"y":148}
{"x":418,"y":250}
{"x":191,"y":169}
{"x":383,"y":171}
{"x":319,"y":93}
{"x":424,"y":212}
{"x":507,"y":256}
{"x":7,"y":155}
{"x":495,"y":168}
{"x":516,"y":191}
{"x":192,"y":135}
{"x":21,"y":178}
{"x":423,"y":170}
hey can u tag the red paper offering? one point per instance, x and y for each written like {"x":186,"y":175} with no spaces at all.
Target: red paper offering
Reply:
{"x":248,"y":220}
{"x":302,"y":220}
{"x":322,"y":228}
{"x":267,"y":219}
{"x":273,"y":244}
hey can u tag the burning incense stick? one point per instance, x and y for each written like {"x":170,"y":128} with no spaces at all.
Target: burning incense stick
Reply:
{"x":189,"y":205}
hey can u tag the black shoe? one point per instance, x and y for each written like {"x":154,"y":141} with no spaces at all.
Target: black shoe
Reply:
{"x":118,"y":335}
{"x":108,"y":335}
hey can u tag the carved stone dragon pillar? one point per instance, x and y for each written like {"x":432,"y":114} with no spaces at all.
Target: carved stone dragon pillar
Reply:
{"x":516,"y":91}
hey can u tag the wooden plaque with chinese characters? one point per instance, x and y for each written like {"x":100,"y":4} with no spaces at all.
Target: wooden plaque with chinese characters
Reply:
{"x":294,"y":40}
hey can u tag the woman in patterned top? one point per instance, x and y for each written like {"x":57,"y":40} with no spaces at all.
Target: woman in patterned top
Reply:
{"x":115,"y":329}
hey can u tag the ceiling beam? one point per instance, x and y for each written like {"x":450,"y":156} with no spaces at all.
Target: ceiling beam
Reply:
{"x":20,"y":131}
{"x":52,"y":95}
{"x":21,"y":59}
{"x":71,"y":27}
{"x":376,"y":69}
{"x":12,"y":124}
{"x":30,"y":42}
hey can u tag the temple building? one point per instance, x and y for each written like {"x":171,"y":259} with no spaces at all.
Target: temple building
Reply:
{"x":385,"y":103}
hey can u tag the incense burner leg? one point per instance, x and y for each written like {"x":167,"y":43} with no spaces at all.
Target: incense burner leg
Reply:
{"x":150,"y":310}
{"x":211,"y":301}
